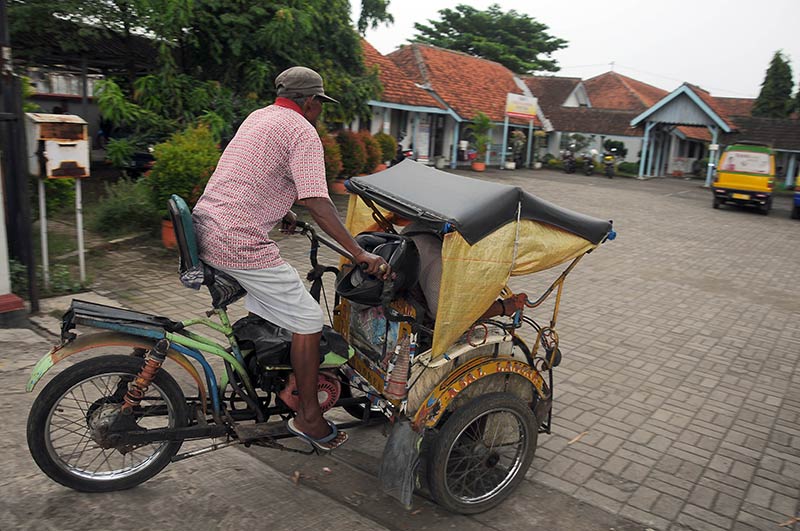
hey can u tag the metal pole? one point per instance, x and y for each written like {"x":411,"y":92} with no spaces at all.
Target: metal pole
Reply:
{"x":711,"y":156}
{"x":651,"y":155}
{"x":79,"y":223}
{"x":414,"y":129}
{"x":658,"y":155}
{"x":530,"y":143}
{"x":791,"y":171}
{"x":645,"y":142}
{"x":43,"y":234}
{"x":489,"y":147}
{"x":505,"y":144}
{"x":454,"y":157}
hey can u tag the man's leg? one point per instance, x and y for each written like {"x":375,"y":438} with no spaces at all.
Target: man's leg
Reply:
{"x":305,"y":363}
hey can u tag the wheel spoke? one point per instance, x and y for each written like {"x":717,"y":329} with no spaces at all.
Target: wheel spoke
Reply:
{"x":69,"y":427}
{"x":485,"y":456}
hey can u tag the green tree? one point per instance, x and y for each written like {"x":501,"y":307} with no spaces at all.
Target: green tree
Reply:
{"x":373,"y":12}
{"x":775,"y":98}
{"x":216,"y":58}
{"x":797,"y":99}
{"x":512,"y":39}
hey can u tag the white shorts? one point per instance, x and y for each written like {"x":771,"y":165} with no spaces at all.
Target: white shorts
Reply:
{"x":278,"y":295}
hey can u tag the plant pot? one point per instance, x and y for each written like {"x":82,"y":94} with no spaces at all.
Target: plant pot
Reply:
{"x":168,"y":234}
{"x":511,"y":165}
{"x":337,"y":187}
{"x":478,"y":166}
{"x":537,"y":165}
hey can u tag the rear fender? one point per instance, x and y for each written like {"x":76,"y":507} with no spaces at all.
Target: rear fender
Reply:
{"x":476,"y":369}
{"x":108,"y":339}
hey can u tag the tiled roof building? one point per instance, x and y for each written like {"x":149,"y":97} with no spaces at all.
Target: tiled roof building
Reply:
{"x":467,"y":84}
{"x":397,"y":87}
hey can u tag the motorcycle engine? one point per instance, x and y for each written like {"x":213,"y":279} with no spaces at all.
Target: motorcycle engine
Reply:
{"x":328,"y":390}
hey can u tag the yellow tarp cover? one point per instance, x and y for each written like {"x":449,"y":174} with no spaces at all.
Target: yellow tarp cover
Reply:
{"x":474,"y":275}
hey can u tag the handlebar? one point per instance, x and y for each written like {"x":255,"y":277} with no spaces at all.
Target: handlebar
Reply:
{"x":306,"y":229}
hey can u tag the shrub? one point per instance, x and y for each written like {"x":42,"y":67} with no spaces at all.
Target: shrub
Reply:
{"x":554,"y":163}
{"x":354,"y":154}
{"x":629,"y":168}
{"x":59,"y":193}
{"x":548,"y":157}
{"x":119,"y":152}
{"x":388,"y":145}
{"x":333,"y":155}
{"x":127,"y":207}
{"x":373,"y":151}
{"x":183,"y":165}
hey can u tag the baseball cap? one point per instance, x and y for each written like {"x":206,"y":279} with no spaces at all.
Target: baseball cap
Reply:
{"x":299,"y":81}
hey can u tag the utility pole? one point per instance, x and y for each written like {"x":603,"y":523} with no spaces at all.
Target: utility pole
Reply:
{"x":12,"y":125}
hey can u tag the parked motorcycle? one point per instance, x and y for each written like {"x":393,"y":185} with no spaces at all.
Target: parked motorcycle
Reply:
{"x":588,"y":163}
{"x":610,"y":160}
{"x":402,"y":154}
{"x":569,"y":160}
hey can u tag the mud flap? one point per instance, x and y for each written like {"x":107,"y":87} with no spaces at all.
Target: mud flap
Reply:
{"x":398,"y":473}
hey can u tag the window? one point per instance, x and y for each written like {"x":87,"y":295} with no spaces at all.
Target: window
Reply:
{"x":746,"y":162}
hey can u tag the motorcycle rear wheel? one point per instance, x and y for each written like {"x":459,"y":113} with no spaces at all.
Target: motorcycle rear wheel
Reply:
{"x":60,"y":425}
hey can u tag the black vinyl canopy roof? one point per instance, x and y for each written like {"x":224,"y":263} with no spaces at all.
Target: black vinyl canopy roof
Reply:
{"x":473,"y":207}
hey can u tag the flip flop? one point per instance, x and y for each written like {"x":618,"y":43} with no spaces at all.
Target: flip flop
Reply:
{"x":325,"y":444}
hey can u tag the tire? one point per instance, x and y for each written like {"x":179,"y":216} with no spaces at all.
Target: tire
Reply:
{"x":764,"y":209}
{"x":79,"y":476}
{"x":715,"y":204}
{"x":796,"y":212}
{"x":458,"y":432}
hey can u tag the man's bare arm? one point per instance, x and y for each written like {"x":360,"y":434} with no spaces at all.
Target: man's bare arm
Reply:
{"x":327,"y":218}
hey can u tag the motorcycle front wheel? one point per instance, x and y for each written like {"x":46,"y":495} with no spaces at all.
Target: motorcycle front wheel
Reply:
{"x":62,"y":425}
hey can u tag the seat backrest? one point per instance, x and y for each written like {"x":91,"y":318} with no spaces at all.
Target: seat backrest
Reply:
{"x":184,"y":232}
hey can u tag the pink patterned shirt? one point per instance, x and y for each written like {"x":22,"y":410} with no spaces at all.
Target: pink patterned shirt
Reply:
{"x":275,"y":159}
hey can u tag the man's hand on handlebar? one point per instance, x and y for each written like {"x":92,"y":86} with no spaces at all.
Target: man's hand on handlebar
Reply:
{"x":289,"y":223}
{"x":375,"y":265}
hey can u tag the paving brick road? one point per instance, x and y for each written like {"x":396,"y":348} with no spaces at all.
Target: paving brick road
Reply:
{"x":681,"y":343}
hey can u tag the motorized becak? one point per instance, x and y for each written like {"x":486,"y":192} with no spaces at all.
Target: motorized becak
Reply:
{"x":467,"y":397}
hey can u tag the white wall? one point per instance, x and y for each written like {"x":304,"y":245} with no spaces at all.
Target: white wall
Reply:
{"x":5,"y":279}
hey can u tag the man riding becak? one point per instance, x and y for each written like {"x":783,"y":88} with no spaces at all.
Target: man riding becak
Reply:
{"x":274,"y":161}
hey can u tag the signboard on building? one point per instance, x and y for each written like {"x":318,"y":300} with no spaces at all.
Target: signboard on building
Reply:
{"x":520,"y":106}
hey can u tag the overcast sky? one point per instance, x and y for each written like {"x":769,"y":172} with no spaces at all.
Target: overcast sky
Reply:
{"x":723,"y":46}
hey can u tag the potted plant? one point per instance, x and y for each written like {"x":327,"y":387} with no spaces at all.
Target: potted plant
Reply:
{"x":480,"y":127}
{"x":517,"y":145}
{"x":183,"y":165}
{"x":388,"y":146}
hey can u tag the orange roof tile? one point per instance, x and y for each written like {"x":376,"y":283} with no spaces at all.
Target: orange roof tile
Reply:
{"x":696,"y":133}
{"x":709,"y":100}
{"x":615,"y":91}
{"x":397,"y":87}
{"x":466,"y":83}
